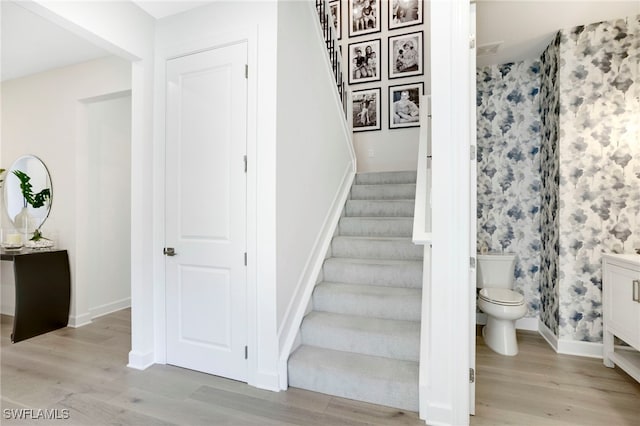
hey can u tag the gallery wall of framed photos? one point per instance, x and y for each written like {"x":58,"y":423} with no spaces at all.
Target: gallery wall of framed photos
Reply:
{"x":385,"y":52}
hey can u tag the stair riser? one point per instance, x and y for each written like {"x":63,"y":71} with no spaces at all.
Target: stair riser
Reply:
{"x":396,"y":227}
{"x":402,"y":395}
{"x":385,"y":178}
{"x":402,"y":307}
{"x":403,"y":345}
{"x":373,"y":208}
{"x":383,"y":192}
{"x":376,"y":249}
{"x":387,"y":275}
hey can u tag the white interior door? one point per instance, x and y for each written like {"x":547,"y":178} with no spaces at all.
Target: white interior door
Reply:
{"x":206,"y":304}
{"x":473,"y":201}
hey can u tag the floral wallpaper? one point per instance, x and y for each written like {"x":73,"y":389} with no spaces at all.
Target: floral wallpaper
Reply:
{"x":508,"y":134}
{"x":599,"y":153}
{"x":550,"y":191}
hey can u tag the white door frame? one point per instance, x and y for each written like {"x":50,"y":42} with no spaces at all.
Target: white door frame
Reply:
{"x":250,"y":36}
{"x":448,"y":364}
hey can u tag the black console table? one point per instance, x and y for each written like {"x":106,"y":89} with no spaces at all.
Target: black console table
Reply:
{"x":43,"y":291}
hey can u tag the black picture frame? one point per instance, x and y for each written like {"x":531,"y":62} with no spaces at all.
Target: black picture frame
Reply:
{"x":410,"y":114}
{"x":364,"y":19}
{"x":371,"y":100}
{"x":406,"y":55}
{"x":405,"y":13}
{"x":364,"y":61}
{"x":335,"y":9}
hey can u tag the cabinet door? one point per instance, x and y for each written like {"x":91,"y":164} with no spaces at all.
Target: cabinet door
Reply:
{"x":622,"y":313}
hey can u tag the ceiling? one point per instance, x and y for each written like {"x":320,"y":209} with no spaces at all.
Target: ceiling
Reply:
{"x":527,"y":27}
{"x":31,"y":44}
{"x":161,"y":9}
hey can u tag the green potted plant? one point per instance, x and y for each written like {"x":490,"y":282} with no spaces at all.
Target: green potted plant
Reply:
{"x":37,"y":200}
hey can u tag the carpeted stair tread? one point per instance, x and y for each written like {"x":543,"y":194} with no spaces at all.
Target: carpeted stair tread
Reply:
{"x":376,"y":248}
{"x":376,"y":226}
{"x":371,"y":336}
{"x":369,"y":301}
{"x":382,"y":272}
{"x":377,"y":380}
{"x":368,"y":178}
{"x":399,"y":191}
{"x":384,"y":208}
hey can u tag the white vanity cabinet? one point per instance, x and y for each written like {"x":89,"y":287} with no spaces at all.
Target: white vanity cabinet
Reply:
{"x":621,"y":311}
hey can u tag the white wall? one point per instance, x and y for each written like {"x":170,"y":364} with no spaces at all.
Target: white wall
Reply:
{"x":108,"y":192}
{"x":387,"y":149}
{"x":204,"y":28}
{"x":122,"y":28}
{"x":39,"y":117}
{"x":313,"y":153}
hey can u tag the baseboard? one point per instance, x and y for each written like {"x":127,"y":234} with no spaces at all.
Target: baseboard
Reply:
{"x":304,"y":288}
{"x":548,"y":335}
{"x":76,"y":321}
{"x":570,"y":347}
{"x":528,"y":323}
{"x":578,"y":348}
{"x":267,"y":381}
{"x":109,"y":308}
{"x":283,"y":365}
{"x":140,"y":361}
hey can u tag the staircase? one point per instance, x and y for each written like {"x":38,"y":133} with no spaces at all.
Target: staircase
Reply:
{"x":361,"y":340}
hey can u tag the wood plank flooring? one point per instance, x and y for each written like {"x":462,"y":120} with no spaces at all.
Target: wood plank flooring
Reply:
{"x":84,"y":371}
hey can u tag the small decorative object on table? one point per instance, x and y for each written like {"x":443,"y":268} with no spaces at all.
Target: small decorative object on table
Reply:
{"x":38,"y":241}
{"x":11,"y":239}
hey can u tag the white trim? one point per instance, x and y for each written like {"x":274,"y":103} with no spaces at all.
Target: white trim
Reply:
{"x":578,"y":348}
{"x":570,"y":347}
{"x":76,"y":321}
{"x":548,"y":335}
{"x":140,"y":361}
{"x":298,"y":304}
{"x":447,"y":358}
{"x":109,"y":308}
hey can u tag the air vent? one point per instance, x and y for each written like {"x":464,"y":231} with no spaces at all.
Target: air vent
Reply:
{"x":489,"y":49}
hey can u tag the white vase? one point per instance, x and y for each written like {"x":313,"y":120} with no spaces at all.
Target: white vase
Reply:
{"x":24,"y":221}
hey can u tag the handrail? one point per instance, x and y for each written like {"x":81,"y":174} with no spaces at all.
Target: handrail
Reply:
{"x":329,"y":33}
{"x":422,"y":211}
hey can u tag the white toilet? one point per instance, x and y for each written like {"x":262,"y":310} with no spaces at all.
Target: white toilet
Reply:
{"x":502,"y":305}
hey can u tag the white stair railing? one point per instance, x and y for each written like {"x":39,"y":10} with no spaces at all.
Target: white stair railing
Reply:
{"x":422,"y":212}
{"x":422,"y":236}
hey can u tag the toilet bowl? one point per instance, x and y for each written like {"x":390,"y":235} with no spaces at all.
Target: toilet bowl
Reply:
{"x":502,"y":305}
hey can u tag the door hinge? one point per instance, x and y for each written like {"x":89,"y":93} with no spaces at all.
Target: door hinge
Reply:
{"x":246,"y":71}
{"x":246,"y":352}
{"x":472,"y":262}
{"x":473,"y":152}
{"x":245,"y":164}
{"x":245,"y":258}
{"x":472,"y":375}
{"x":472,"y":42}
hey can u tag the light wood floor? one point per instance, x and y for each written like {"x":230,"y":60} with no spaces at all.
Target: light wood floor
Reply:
{"x":83,"y":371}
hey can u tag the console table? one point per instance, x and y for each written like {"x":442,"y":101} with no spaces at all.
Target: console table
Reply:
{"x":43,"y":291}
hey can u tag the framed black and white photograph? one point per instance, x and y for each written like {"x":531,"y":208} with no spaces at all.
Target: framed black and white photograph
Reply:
{"x":335,"y":7}
{"x":404,"y":13}
{"x":364,"y":17}
{"x":405,"y":55}
{"x":404,"y":105}
{"x":366,"y":109}
{"x":363,"y":61}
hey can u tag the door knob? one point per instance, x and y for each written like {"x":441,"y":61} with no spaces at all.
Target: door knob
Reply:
{"x":169,"y":251}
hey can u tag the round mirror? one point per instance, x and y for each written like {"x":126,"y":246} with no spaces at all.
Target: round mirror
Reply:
{"x":28,"y":193}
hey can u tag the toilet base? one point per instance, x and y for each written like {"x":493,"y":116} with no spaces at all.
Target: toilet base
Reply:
{"x":500,"y":336}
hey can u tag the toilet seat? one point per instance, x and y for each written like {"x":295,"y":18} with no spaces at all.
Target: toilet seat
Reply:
{"x":501,"y":296}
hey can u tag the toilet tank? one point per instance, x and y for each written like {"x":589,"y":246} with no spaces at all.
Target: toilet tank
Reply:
{"x":495,"y":270}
